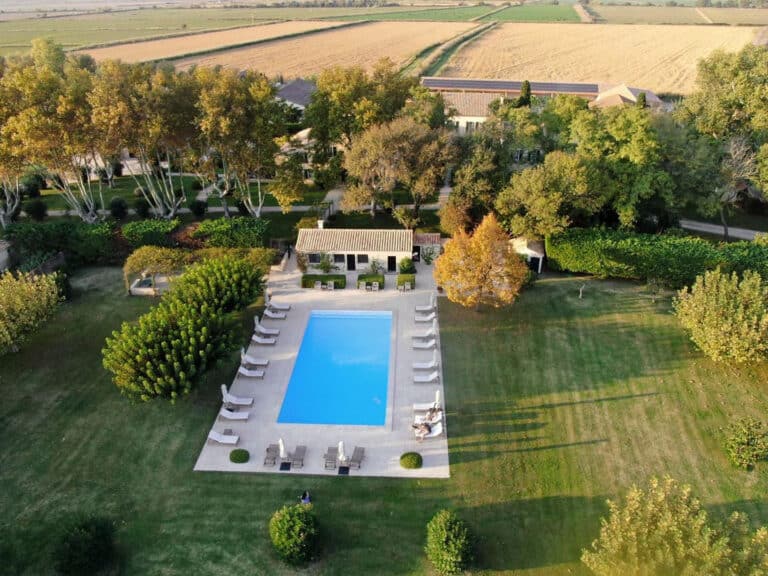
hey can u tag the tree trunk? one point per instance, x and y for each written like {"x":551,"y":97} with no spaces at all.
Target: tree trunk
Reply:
{"x":725,"y":224}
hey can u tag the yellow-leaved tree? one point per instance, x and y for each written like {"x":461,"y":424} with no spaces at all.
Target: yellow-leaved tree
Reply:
{"x":482,"y":268}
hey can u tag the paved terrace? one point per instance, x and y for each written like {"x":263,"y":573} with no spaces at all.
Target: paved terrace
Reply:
{"x":383,"y":445}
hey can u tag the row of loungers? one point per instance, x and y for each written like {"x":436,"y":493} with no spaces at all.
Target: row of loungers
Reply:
{"x":427,"y":341}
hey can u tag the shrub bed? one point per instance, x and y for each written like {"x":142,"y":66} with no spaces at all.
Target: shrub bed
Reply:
{"x":411,"y":460}
{"x":339,"y":280}
{"x":238,"y":232}
{"x":26,"y":301}
{"x":149,"y":232}
{"x":165,"y":352}
{"x":82,"y":243}
{"x":239,"y":456}
{"x":403,"y":278}
{"x":407,"y":266}
{"x":370,"y":278}
{"x":294,"y":533}
{"x":449,"y":545}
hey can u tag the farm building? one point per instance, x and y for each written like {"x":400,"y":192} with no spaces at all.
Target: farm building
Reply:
{"x":302,"y":144}
{"x":469,"y":98}
{"x":352,"y":249}
{"x":297,"y":93}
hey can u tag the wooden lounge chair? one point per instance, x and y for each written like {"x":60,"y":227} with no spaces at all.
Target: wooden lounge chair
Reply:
{"x":243,"y":371}
{"x":426,"y":379}
{"x":424,"y":345}
{"x":257,"y":327}
{"x":223,"y":438}
{"x":269,"y":313}
{"x":375,"y":286}
{"x":357,"y":457}
{"x":427,"y":307}
{"x":270,"y":458}
{"x":261,"y":340}
{"x":331,"y":457}
{"x":234,"y":400}
{"x":431,"y":365}
{"x":297,"y":458}
{"x":247,"y":360}
{"x":228,"y":414}
{"x":427,"y":318}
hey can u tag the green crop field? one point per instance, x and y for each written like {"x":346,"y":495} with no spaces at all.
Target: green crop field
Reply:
{"x":460,"y":14}
{"x":535,"y":13}
{"x":647,"y":15}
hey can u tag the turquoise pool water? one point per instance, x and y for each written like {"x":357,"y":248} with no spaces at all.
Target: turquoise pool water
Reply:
{"x":341,"y":374}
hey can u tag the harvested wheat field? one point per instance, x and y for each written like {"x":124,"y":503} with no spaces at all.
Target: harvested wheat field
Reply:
{"x":659,"y":58}
{"x":359,"y":45}
{"x":175,"y":47}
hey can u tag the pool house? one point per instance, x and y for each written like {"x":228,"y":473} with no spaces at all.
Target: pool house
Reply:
{"x":354,"y":250}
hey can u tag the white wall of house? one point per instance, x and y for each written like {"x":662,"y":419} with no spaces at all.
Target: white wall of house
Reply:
{"x":362,"y":261}
{"x":467,"y":124}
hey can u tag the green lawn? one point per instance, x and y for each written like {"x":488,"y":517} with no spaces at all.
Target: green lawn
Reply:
{"x":535,"y":13}
{"x":553,"y":405}
{"x":459,"y":14}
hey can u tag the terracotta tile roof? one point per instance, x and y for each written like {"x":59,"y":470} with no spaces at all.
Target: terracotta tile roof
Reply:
{"x":470,"y":103}
{"x":427,"y":239}
{"x":353,"y":241}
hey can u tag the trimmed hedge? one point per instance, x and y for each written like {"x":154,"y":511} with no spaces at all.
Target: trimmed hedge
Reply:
{"x":149,"y":232}
{"x":294,"y":533}
{"x":449,"y":543}
{"x":339,"y":280}
{"x":369,"y":278}
{"x":26,"y":301}
{"x":411,"y":460}
{"x":238,"y":232}
{"x":82,"y":244}
{"x":239,"y":456}
{"x":672,"y":260}
{"x":403,"y":278}
{"x":169,"y":348}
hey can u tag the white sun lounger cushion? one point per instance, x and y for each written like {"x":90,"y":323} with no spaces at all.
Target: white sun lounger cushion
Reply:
{"x":228,"y":414}
{"x":427,"y":318}
{"x":431,"y":377}
{"x":250,"y":373}
{"x":223,"y":438}
{"x":232,"y":399}
{"x":274,"y":315}
{"x":261,"y":340}
{"x":425,"y":345}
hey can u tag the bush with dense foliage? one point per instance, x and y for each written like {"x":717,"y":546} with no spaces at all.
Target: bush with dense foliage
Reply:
{"x":449,"y":544}
{"x":149,"y":232}
{"x":118,"y":208}
{"x":308,"y":280}
{"x":370,"y":278}
{"x":82,"y":243}
{"x":664,"y":530}
{"x":411,"y":460}
{"x":198,"y":208}
{"x":295,"y":533}
{"x":742,"y":256}
{"x":238,"y":232}
{"x":142,"y":207}
{"x":166,"y":351}
{"x":86,"y":547}
{"x":746,"y":442}
{"x":26,"y":301}
{"x":403,"y":278}
{"x":407,"y":266}
{"x":726,"y":316}
{"x":36,"y":209}
{"x":239,"y":456}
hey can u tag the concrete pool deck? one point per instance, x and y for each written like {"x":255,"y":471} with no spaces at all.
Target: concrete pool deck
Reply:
{"x":383,"y":444}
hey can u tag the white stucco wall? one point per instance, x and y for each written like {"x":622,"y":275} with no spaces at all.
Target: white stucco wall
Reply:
{"x":362,"y":267}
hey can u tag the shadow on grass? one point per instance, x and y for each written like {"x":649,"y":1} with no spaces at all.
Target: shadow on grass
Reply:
{"x":592,"y":401}
{"x":534,"y":533}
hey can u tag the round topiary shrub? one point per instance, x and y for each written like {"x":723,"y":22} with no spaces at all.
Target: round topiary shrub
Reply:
{"x":449,"y":545}
{"x":198,"y":208}
{"x":411,"y":460}
{"x":36,"y":209}
{"x":118,"y":207}
{"x":86,"y":547}
{"x":239,"y":456}
{"x":294,"y":533}
{"x":142,"y":207}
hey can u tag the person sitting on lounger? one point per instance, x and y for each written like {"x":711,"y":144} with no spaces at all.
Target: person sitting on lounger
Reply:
{"x":432,"y":414}
{"x":422,"y":429}
{"x":305,"y":498}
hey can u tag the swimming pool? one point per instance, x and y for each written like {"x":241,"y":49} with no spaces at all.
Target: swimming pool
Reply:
{"x":341,"y":374}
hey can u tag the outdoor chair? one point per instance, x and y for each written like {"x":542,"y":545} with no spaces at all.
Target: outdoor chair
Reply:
{"x":431,"y":365}
{"x":247,"y":360}
{"x":427,"y":318}
{"x":436,"y":431}
{"x":331,"y":457}
{"x":357,"y":458}
{"x":420,"y":419}
{"x":427,"y":307}
{"x":274,"y":315}
{"x":297,"y":458}
{"x":407,"y":286}
{"x":318,"y":285}
{"x":361,"y":286}
{"x":228,"y":414}
{"x":224,"y":438}
{"x":424,"y":345}
{"x":331,"y":285}
{"x":431,"y":333}
{"x":260,"y":340}
{"x":257,"y":326}
{"x":276,"y":306}
{"x":234,"y":400}
{"x":425,"y":406}
{"x":243,"y":371}
{"x":375,"y":286}
{"x":426,"y":379}
{"x":270,"y":457}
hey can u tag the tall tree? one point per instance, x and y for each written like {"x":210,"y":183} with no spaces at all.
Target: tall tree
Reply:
{"x":288,"y":186}
{"x":482,"y":269}
{"x":426,"y":107}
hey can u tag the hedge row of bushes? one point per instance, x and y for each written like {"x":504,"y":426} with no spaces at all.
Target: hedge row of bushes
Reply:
{"x":149,"y":232}
{"x":370,"y":278}
{"x":26,"y":301}
{"x":339,"y":280}
{"x":403,"y":278}
{"x":672,"y":260}
{"x":238,"y":232}
{"x":169,"y":348}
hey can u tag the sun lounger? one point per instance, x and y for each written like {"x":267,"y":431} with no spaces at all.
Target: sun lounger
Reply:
{"x":270,"y":457}
{"x":357,"y":457}
{"x":431,"y":333}
{"x":431,"y":365}
{"x":258,"y":327}
{"x":431,"y":377}
{"x":437,"y":430}
{"x":426,"y":345}
{"x":277,"y":306}
{"x":261,"y":340}
{"x":331,"y":285}
{"x":427,"y":307}
{"x":423,"y":406}
{"x":247,"y":360}
{"x":421,"y":418}
{"x":318,"y":285}
{"x":331,"y":456}
{"x":228,"y":414}
{"x":250,"y":373}
{"x":274,"y":315}
{"x":234,"y":400}
{"x":297,"y":458}
{"x":427,"y":318}
{"x":375,"y":286}
{"x":231,"y":439}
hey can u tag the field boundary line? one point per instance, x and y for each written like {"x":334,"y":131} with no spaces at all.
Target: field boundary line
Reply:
{"x":491,"y":13}
{"x":442,"y":57}
{"x":704,"y":17}
{"x":262,"y":41}
{"x":583,"y":13}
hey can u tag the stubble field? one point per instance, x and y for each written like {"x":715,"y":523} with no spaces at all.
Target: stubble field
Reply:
{"x":361,"y":45}
{"x":659,"y":58}
{"x":754,"y":16}
{"x":648,"y":15}
{"x":183,"y":45}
